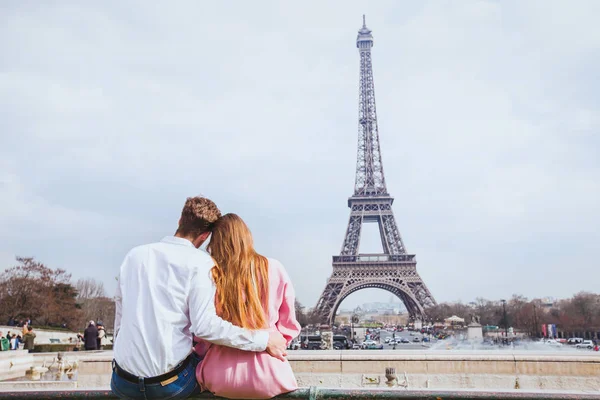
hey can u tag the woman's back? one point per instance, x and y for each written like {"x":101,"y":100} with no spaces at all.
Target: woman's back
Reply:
{"x":235,"y":373}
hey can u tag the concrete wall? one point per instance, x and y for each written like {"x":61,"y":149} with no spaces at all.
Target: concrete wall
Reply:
{"x":414,"y":370}
{"x":450,"y":370}
{"x":14,"y":363}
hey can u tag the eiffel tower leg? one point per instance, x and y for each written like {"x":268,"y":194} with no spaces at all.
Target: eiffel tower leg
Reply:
{"x":391,"y":234}
{"x":329,"y":298}
{"x":352,"y":238}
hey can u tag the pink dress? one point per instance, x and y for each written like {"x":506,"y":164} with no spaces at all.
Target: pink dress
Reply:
{"x":238,"y":374}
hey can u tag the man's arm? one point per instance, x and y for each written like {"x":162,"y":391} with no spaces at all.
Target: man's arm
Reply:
{"x":118,"y":303}
{"x":210,"y":327}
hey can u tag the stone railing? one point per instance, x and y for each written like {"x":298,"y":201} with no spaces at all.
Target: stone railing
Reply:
{"x":314,"y":393}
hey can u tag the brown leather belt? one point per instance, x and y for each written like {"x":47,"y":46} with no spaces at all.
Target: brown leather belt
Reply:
{"x":154,"y":379}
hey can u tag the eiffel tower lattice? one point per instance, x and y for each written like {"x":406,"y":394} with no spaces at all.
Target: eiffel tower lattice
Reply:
{"x":393,"y":270}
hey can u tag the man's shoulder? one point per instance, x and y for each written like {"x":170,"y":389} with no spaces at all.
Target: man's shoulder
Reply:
{"x":187,"y":257}
{"x":138,"y":251}
{"x":143,"y":248}
{"x":199,"y":260}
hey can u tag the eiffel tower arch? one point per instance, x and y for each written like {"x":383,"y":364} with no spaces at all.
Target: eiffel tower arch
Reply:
{"x":393,"y":270}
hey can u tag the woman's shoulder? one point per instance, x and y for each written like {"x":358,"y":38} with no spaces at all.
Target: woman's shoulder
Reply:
{"x":276,"y":267}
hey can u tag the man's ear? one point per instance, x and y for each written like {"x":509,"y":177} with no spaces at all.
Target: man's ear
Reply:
{"x":201,"y":239}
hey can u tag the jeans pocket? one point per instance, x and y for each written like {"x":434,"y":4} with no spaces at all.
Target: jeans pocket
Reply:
{"x":183,"y":387}
{"x":115,"y":384}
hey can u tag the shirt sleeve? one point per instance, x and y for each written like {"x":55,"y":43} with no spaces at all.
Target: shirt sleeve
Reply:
{"x":118,"y":305}
{"x":287,"y":324}
{"x":210,"y":327}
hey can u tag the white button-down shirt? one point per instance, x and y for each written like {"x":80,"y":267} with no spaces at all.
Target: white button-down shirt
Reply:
{"x":165,"y":293}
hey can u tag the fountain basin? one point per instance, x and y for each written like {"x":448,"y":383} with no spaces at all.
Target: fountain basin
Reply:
{"x":414,"y":370}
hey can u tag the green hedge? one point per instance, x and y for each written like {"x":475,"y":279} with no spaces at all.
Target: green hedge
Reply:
{"x":56,"y":347}
{"x":53,"y":347}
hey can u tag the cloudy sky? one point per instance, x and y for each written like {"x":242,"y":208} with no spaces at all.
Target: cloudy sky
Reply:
{"x":112,"y":113}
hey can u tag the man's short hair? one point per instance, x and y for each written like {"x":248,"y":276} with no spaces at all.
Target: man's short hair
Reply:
{"x":29,"y":328}
{"x":198,"y":216}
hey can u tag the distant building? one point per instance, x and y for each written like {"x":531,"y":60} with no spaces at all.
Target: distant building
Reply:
{"x":547,"y":302}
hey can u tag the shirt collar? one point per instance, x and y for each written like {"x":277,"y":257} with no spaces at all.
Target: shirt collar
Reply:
{"x":177,"y":240}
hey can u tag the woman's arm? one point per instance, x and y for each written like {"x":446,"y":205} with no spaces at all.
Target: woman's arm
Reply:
{"x":288,"y":324}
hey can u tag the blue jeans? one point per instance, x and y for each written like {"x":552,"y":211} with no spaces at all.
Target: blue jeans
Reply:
{"x":185,"y":386}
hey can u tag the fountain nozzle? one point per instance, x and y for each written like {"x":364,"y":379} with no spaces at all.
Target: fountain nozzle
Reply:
{"x":390,"y":375}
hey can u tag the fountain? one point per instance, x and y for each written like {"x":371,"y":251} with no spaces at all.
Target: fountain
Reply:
{"x":61,"y":368}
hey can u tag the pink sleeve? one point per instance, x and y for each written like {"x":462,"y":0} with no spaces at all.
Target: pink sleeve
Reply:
{"x":287,"y":323}
{"x":201,"y":347}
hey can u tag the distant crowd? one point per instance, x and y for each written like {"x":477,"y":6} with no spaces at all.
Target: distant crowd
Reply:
{"x":93,"y":337}
{"x":14,"y":339}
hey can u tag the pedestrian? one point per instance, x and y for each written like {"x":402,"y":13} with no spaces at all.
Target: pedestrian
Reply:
{"x":90,"y":337}
{"x":29,"y":339}
{"x":13,"y":342}
{"x":4,"y":343}
{"x":101,"y":335}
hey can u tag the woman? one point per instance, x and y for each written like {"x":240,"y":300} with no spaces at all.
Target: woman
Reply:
{"x":255,"y":293}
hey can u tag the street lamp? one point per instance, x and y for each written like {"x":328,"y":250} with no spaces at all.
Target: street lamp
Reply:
{"x":353,"y":320}
{"x":504,"y":319}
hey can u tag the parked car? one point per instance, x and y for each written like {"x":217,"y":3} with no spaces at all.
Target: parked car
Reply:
{"x":574,"y":340}
{"x":388,"y":339}
{"x":340,"y":342}
{"x":416,"y":339}
{"x":294,"y":345}
{"x":311,"y":342}
{"x":374,"y":346}
{"x":586,"y":344}
{"x":552,"y":342}
{"x":356,"y":346}
{"x":367,"y":343}
{"x":403,"y":340}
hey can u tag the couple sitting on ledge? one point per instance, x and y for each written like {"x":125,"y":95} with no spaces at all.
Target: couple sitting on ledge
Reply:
{"x":187,"y":321}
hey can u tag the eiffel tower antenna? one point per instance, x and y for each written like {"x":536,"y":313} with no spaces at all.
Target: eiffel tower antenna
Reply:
{"x":393,"y":270}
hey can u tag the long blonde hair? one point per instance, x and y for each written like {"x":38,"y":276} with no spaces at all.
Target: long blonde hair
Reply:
{"x":241,"y":274}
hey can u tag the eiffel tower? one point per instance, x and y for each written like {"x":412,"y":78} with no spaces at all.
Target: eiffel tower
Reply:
{"x":393,"y":270}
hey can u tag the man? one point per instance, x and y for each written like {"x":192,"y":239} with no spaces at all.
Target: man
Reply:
{"x":165,"y":295}
{"x":29,"y":339}
{"x":90,"y":336}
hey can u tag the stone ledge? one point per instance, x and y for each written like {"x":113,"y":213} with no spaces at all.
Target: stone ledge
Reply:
{"x":314,"y":393}
{"x":385,"y":355}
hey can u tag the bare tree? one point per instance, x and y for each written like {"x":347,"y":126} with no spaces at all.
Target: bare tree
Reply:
{"x":94,"y":305}
{"x":32,"y":290}
{"x":89,"y":288}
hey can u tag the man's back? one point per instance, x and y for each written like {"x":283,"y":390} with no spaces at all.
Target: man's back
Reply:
{"x":89,"y":336}
{"x":153,"y":332}
{"x":29,"y":338}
